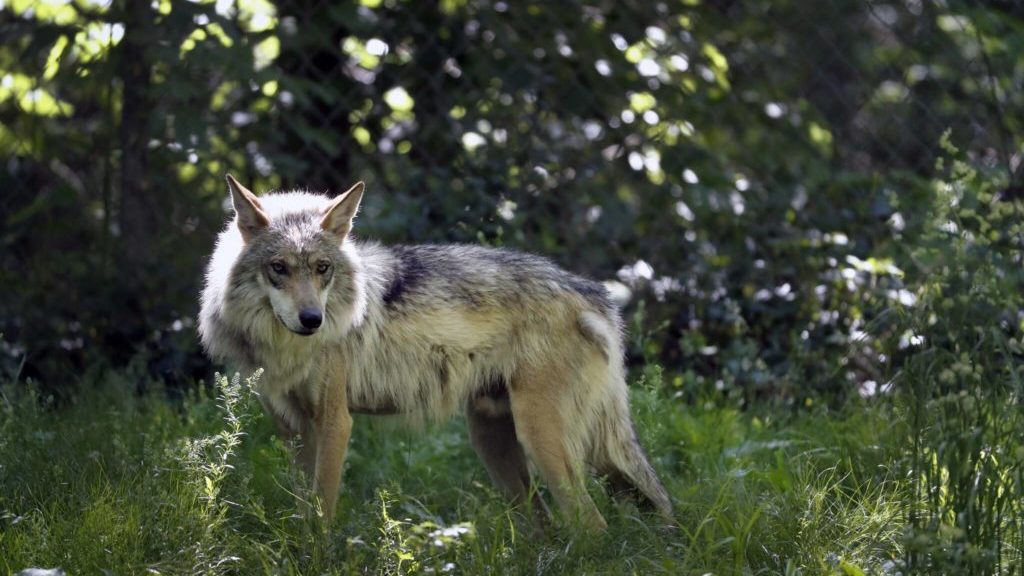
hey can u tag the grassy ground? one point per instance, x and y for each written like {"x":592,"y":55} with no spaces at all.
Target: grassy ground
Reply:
{"x":119,"y":484}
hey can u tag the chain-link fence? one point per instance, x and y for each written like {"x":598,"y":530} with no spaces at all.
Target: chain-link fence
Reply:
{"x":729,"y":162}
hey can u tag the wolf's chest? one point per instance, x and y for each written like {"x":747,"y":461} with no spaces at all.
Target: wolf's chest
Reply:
{"x":290,"y":370}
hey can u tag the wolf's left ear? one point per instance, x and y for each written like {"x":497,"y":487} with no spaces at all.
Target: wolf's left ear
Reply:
{"x":338,"y":216}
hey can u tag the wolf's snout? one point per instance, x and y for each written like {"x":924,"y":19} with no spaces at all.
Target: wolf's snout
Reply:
{"x":311,"y":318}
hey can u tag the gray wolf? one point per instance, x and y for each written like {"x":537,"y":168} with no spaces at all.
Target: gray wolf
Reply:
{"x":532,"y":353}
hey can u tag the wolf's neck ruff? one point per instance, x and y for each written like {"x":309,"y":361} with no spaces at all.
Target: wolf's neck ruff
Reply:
{"x":532,"y":352}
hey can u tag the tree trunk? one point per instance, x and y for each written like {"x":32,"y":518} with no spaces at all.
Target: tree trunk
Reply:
{"x":137,"y":211}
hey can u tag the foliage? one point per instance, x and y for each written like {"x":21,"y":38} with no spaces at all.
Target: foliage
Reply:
{"x":766,"y":182}
{"x":747,"y":169}
{"x":962,"y":386}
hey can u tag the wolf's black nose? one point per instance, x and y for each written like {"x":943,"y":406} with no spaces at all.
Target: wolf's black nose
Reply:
{"x":311,"y":318}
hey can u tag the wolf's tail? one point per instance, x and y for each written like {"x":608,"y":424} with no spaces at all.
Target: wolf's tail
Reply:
{"x":614,"y":448}
{"x":619,"y":456}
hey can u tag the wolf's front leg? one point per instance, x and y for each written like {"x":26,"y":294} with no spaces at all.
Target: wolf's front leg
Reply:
{"x":300,"y":437}
{"x":306,"y":449}
{"x":333,"y":427}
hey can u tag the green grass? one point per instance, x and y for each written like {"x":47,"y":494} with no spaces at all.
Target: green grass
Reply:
{"x":121,"y":484}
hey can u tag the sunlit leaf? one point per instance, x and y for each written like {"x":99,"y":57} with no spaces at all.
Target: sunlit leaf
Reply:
{"x":399,"y":99}
{"x":53,"y":60}
{"x":642,"y":101}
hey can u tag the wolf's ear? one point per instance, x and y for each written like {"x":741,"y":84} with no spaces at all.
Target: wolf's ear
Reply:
{"x":338,"y":216}
{"x":251,"y":217}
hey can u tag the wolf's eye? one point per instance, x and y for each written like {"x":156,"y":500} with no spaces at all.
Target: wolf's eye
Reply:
{"x":322,"y":267}
{"x":279,"y":268}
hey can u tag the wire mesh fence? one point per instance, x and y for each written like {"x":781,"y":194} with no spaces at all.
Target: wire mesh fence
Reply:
{"x":720,"y":160}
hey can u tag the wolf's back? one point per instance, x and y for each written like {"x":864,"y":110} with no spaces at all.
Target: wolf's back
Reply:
{"x":481,"y":276}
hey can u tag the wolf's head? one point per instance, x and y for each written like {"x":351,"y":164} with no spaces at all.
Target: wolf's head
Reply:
{"x":295,"y":251}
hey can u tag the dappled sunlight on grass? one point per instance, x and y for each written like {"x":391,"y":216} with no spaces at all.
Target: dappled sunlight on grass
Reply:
{"x":130,"y":484}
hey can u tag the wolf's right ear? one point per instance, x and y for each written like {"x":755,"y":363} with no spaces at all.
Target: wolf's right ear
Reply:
{"x":251,"y":217}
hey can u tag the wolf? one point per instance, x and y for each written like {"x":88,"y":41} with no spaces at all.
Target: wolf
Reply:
{"x":533,"y":354}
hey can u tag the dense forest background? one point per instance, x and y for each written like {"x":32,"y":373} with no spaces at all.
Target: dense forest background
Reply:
{"x":747,"y":170}
{"x":803,"y":206}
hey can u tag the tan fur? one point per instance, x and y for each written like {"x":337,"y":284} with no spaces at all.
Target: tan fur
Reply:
{"x":331,"y":430}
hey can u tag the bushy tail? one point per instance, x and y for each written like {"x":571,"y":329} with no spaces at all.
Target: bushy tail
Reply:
{"x":614,"y":448}
{"x":618,"y":455}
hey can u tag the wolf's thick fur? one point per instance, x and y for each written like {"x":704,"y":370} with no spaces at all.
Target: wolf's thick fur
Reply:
{"x":531,"y":352}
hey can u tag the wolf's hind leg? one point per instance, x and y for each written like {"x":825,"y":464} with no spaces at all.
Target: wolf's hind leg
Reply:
{"x":536,"y":397}
{"x":492,"y":434}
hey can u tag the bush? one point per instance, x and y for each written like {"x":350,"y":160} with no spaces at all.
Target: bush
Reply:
{"x":961,"y":382}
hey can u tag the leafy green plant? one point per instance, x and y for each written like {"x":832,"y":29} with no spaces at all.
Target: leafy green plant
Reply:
{"x":962,"y":386}
{"x":207,"y":462}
